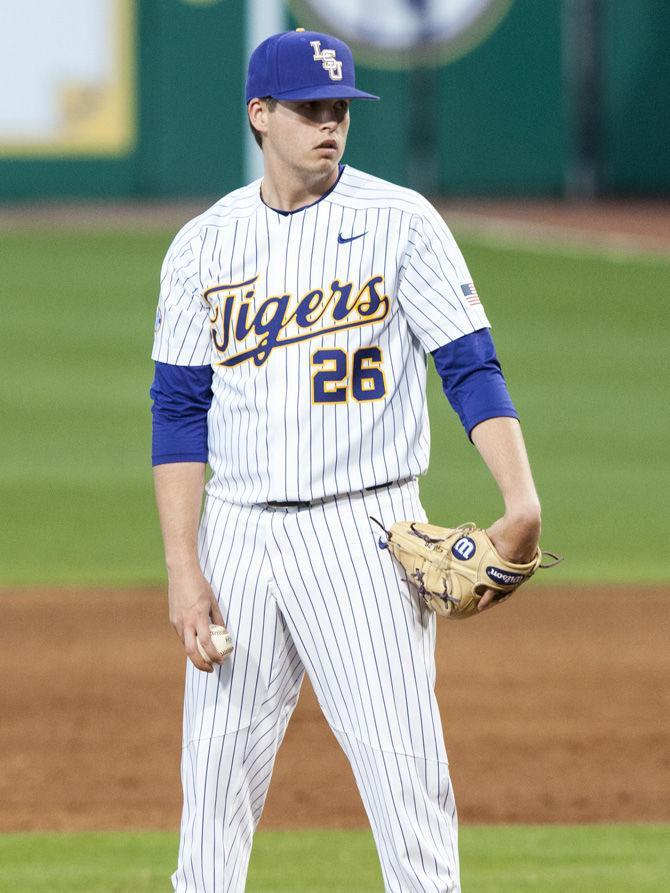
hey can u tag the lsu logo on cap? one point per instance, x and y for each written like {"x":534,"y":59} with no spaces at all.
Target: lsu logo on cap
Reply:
{"x":464,"y":548}
{"x":329,"y":61}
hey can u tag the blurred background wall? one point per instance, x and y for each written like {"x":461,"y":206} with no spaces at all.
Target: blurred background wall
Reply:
{"x":144,"y":98}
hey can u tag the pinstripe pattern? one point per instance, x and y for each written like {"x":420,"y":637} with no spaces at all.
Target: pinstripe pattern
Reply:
{"x":267,"y":439}
{"x":310,"y":590}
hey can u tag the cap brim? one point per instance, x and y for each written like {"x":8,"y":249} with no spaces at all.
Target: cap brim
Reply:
{"x":325,"y":91}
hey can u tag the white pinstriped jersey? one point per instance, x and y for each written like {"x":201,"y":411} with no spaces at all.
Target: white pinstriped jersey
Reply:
{"x":317,"y":325}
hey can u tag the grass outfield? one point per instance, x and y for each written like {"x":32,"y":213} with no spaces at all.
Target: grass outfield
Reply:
{"x":580,"y":339}
{"x":515,"y":859}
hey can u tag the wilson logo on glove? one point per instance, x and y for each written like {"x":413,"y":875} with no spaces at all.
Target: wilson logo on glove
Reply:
{"x":500,"y":576}
{"x":464,"y":549}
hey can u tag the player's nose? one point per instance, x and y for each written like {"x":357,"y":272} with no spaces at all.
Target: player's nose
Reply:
{"x":329,"y":115}
{"x":328,"y":121}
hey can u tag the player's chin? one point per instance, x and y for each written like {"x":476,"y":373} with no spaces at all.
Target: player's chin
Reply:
{"x":326,"y":160}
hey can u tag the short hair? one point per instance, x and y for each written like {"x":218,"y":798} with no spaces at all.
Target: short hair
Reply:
{"x":271,"y":103}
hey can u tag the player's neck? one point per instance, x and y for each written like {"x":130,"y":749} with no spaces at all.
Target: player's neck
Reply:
{"x":288,"y":190}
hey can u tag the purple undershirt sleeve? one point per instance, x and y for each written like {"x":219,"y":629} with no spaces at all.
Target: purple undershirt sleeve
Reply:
{"x":472,"y":379}
{"x":181,"y":398}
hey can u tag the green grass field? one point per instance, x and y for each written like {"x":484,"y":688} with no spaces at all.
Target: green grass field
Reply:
{"x":580,"y":339}
{"x":517,"y":859}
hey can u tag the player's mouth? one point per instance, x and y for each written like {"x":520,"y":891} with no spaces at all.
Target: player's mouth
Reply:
{"x":329,"y":146}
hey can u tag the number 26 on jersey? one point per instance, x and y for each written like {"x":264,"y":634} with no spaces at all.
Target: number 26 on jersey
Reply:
{"x":331,"y":382}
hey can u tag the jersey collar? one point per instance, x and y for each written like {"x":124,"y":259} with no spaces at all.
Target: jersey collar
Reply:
{"x":311,"y":204}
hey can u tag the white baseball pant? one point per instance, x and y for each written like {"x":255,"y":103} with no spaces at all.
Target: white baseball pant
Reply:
{"x":309,"y":589}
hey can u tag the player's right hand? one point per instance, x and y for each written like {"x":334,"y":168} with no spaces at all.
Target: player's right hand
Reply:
{"x":193,"y":607}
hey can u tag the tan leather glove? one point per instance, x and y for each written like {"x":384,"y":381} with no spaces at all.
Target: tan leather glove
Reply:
{"x":452,"y":567}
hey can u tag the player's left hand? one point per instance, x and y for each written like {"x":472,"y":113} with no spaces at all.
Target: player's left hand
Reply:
{"x":516,"y":537}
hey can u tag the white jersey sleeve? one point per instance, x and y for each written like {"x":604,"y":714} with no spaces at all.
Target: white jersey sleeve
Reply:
{"x":436,"y":291}
{"x":182,"y":332}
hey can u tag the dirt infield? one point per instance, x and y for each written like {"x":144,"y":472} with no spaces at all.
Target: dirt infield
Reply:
{"x":618,"y":227}
{"x":555,"y":709}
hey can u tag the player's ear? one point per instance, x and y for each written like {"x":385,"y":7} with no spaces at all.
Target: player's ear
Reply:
{"x":258,"y":111}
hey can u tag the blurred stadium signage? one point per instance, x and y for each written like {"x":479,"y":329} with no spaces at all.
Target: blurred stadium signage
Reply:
{"x":404,"y":33}
{"x":69,"y":82}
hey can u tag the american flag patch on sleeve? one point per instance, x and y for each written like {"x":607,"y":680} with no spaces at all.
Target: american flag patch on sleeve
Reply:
{"x":470,"y":293}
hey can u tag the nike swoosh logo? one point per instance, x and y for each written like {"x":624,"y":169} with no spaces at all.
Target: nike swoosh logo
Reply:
{"x":344,"y":239}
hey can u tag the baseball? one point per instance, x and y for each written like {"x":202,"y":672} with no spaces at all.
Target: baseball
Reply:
{"x":221,"y":639}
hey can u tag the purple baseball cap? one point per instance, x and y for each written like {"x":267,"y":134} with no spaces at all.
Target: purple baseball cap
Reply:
{"x":303,"y":65}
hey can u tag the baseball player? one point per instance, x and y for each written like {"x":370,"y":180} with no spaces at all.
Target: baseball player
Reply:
{"x":293,"y":328}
